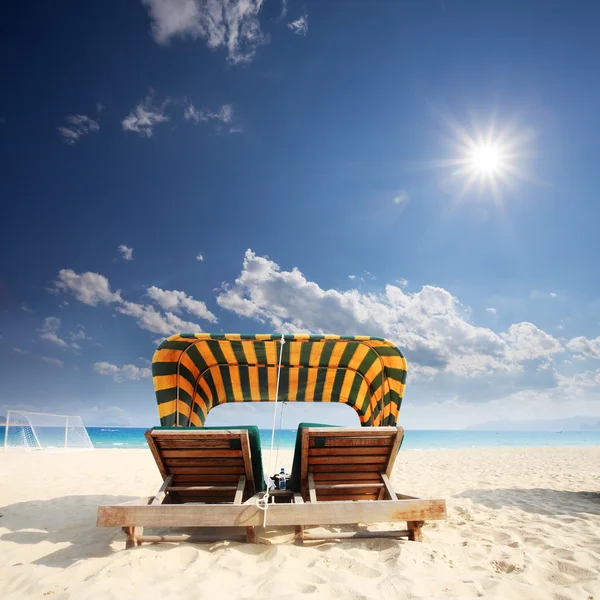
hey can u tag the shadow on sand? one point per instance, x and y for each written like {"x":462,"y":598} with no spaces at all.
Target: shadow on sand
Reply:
{"x":70,"y":519}
{"x":543,"y":501}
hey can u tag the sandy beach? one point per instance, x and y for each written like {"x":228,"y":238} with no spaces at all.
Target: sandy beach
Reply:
{"x":522,"y":523}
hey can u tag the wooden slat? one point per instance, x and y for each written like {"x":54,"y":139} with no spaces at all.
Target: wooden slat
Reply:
{"x":162,"y":492}
{"x":156,"y":454}
{"x":216,"y":479}
{"x":319,"y":513}
{"x":331,"y":460}
{"x":342,"y":535}
{"x":373,"y":468}
{"x":203,"y":462}
{"x":371,"y":491}
{"x":388,"y":486}
{"x":367,"y":476}
{"x":304,"y":462}
{"x":206,"y":500}
{"x":209,"y":453}
{"x":247,"y":455}
{"x":373,"y":432}
{"x":254,"y":498}
{"x":194,"y":538}
{"x":198,"y":433}
{"x":349,"y":451}
{"x":348,"y":496}
{"x":394,"y":451}
{"x":201,"y":488}
{"x":311,"y":488}
{"x":378,"y":441}
{"x":206,"y":470}
{"x":198,"y":444}
{"x":239,"y":493}
{"x":344,"y":486}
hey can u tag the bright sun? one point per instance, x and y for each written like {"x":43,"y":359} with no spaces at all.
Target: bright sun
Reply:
{"x":484,"y":161}
{"x":487,"y":159}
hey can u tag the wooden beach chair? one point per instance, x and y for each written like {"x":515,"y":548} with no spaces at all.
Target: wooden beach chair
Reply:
{"x":200,"y":489}
{"x":343,"y":465}
{"x":213,"y":465}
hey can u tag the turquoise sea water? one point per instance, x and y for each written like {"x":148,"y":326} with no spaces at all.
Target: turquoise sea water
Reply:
{"x":130,"y":437}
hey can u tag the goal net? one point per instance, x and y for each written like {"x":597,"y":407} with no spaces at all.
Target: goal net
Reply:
{"x":30,"y":431}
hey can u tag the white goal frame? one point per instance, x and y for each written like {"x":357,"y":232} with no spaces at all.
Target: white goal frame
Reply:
{"x":28,"y":421}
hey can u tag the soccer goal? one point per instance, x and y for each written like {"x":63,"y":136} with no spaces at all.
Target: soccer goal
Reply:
{"x":31,"y":431}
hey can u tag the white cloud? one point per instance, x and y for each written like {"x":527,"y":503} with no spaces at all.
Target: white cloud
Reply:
{"x":431,"y":325}
{"x":299,"y":26}
{"x":229,"y":24}
{"x":89,"y":288}
{"x":49,"y":332}
{"x":150,"y":319}
{"x":351,"y":276}
{"x":126,"y":253}
{"x":492,"y":311}
{"x":19,"y":351}
{"x":99,"y":107}
{"x":25,"y":308}
{"x":527,"y":342}
{"x":224,"y":114}
{"x":582,"y":347}
{"x":283,"y":10}
{"x":402,"y":282}
{"x":199,"y":257}
{"x":175,"y":300}
{"x":126,"y":372}
{"x":53,"y":361}
{"x":79,"y":125}
{"x":537,"y":295}
{"x":144,"y":117}
{"x":80,"y":334}
{"x":93,"y":288}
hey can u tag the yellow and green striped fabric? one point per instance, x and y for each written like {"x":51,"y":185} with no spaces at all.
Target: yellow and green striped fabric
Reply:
{"x":194,"y":372}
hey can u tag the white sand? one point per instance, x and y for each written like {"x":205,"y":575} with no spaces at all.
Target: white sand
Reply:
{"x":523,"y":523}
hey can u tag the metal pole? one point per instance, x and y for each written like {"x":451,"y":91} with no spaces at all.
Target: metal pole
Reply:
{"x":6,"y":430}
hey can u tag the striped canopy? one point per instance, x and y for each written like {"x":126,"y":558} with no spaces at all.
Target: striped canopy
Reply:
{"x":194,"y":372}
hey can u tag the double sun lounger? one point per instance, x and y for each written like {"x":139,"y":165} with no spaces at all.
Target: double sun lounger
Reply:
{"x":213,"y":479}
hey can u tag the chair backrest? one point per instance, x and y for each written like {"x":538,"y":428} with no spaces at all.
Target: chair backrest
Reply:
{"x":348,"y":464}
{"x":204,"y":458}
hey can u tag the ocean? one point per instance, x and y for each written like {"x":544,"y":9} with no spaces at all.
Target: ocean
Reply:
{"x":133,"y":437}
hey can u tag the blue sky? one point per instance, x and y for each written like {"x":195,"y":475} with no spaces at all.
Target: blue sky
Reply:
{"x":324,"y":161}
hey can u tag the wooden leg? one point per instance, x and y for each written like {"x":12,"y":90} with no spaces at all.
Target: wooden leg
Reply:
{"x":414,"y":529}
{"x":299,"y":536}
{"x":133,"y":533}
{"x":250,"y":535}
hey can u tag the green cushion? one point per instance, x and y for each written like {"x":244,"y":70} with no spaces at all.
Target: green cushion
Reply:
{"x":255,"y":449}
{"x":294,"y":481}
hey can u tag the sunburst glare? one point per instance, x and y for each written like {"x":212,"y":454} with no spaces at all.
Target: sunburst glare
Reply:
{"x":488,"y":161}
{"x":484,"y":161}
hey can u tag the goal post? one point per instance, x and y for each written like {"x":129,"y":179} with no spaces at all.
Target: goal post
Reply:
{"x":31,"y":431}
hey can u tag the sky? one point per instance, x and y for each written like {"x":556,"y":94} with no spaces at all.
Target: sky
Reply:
{"x":425,"y":171}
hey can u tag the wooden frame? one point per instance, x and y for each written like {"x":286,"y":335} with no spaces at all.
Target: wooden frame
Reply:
{"x":203,"y":467}
{"x":343,"y":467}
{"x":337,"y":487}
